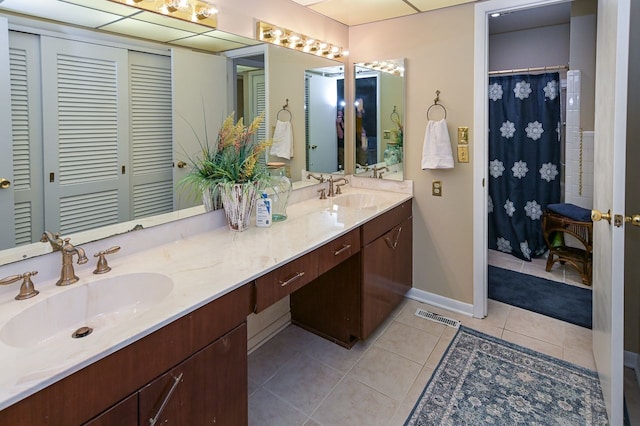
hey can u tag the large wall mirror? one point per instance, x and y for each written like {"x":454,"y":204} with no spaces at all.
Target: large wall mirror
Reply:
{"x":263,"y":77}
{"x":379,"y":111}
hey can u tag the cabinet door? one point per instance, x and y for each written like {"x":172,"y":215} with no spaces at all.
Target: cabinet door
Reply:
{"x":386,"y":275}
{"x":125,"y":413}
{"x":404,"y":256}
{"x":210,"y":387}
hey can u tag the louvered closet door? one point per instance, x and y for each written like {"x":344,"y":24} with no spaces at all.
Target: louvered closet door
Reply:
{"x":85,"y":110}
{"x":7,"y":236}
{"x":258,"y":102}
{"x":151,"y":135}
{"x":26,"y":127}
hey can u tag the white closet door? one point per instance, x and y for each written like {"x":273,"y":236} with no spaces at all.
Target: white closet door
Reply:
{"x":258,"y":101}
{"x":26,"y":127}
{"x":151,"y":135}
{"x":322,"y":110}
{"x":7,"y":237}
{"x":85,"y":110}
{"x":199,"y":105}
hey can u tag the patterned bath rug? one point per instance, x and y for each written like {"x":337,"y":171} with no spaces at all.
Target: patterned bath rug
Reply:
{"x":483,"y":380}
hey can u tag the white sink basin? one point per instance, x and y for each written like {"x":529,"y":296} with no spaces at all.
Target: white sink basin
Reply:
{"x":356,"y":201}
{"x":100,"y":304}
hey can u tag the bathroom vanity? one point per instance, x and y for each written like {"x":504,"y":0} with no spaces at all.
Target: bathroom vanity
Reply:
{"x":344,"y":262}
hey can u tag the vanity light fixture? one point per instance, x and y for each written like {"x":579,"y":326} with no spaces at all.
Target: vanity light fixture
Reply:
{"x":283,"y":37}
{"x":201,"y":12}
{"x":385,"y":66}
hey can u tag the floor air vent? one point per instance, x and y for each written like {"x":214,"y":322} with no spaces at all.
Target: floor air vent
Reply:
{"x":437,"y":318}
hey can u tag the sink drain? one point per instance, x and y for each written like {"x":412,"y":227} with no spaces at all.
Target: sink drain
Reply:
{"x":81,"y":332}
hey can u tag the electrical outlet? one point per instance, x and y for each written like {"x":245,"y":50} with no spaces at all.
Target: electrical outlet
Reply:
{"x":436,"y":188}
{"x":463,"y":153}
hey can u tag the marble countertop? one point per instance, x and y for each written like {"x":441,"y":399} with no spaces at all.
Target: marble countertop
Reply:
{"x":203,"y":267}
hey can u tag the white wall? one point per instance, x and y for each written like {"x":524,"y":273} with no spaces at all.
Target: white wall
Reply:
{"x":536,"y":47}
{"x":438,"y":48}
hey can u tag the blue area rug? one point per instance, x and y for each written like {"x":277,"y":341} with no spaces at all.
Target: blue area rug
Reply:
{"x":483,"y":380}
{"x":557,"y":300}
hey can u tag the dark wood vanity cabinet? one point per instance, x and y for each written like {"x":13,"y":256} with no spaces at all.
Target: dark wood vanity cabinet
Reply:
{"x":209,"y":388}
{"x":207,"y":346}
{"x":386,"y":258}
{"x":352,"y":297}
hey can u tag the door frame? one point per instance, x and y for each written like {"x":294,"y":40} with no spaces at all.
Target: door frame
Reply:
{"x":7,"y":230}
{"x":480,"y":172}
{"x":480,"y":136}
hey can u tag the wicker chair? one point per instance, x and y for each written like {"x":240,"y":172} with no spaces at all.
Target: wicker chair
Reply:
{"x":579,"y":258}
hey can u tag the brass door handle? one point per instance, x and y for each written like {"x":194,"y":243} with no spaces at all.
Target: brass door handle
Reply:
{"x":634,"y":220}
{"x":4,"y":183}
{"x":597,"y":215}
{"x":181,"y":164}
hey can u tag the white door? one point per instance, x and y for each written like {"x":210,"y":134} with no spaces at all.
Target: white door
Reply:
{"x":612,"y":57}
{"x":7,"y":237}
{"x":85,"y":102}
{"x":322,"y":107}
{"x":198,"y":112}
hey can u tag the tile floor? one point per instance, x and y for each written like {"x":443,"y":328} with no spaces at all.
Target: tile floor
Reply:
{"x":562,"y":273}
{"x":298,"y":378}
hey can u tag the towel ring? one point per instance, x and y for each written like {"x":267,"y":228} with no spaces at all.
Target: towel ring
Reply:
{"x":395,"y":117}
{"x":284,"y":110}
{"x":435,"y":103}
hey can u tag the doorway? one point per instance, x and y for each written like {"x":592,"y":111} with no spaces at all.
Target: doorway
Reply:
{"x":533,"y":47}
{"x":609,"y":192}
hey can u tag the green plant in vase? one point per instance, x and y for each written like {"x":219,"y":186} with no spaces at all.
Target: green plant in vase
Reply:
{"x":232,"y":169}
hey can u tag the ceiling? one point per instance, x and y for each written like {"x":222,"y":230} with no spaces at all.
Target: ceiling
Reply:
{"x":120,"y":19}
{"x":356,"y":12}
{"x":116,"y":18}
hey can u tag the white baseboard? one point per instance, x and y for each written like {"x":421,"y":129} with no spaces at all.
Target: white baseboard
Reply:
{"x":440,"y":301}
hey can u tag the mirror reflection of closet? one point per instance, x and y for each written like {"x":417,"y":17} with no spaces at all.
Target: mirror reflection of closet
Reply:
{"x":379,"y":111}
{"x":324,"y":115}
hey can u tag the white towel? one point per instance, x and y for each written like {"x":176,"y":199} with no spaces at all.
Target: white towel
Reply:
{"x":436,"y":151}
{"x":282,"y":140}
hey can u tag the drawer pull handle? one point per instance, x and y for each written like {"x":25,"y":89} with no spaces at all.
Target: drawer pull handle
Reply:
{"x":342,"y":250}
{"x":291,"y":279}
{"x":153,"y":420}
{"x":394,"y":244}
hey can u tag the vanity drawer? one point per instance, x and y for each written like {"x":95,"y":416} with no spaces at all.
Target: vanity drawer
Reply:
{"x":338,"y":250}
{"x":285,"y":280}
{"x":383,"y":223}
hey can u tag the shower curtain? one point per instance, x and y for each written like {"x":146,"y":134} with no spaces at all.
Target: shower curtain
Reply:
{"x":524,"y":157}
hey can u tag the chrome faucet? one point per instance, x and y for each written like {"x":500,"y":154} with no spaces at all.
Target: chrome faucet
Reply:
{"x":376,"y":170}
{"x":333,"y":181}
{"x":67,"y":275}
{"x":53,"y":239}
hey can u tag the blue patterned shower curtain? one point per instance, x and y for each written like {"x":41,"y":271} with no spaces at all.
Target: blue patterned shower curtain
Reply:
{"x":524,"y":160}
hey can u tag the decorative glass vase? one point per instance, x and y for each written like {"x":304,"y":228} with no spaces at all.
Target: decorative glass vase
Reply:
{"x":238,"y":200}
{"x":392,"y":155}
{"x":279,"y":190}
